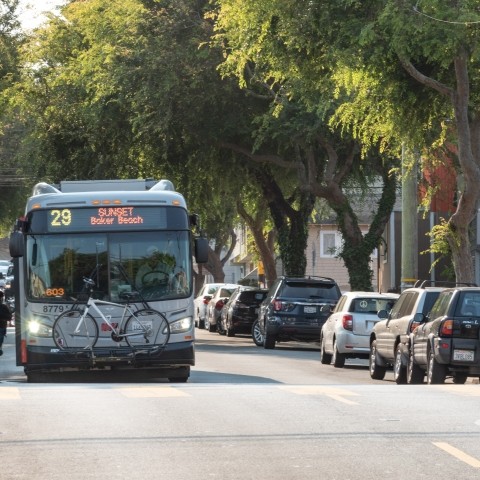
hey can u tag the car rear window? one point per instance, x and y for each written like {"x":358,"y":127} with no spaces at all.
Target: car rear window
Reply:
{"x":371,"y":305}
{"x":226,"y":292}
{"x":252,"y":297}
{"x":469,"y":305}
{"x":323,"y":291}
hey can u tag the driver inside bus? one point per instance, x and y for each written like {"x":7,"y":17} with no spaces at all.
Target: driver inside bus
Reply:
{"x":156,"y":271}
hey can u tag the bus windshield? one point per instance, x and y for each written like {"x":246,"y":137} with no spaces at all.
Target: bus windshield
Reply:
{"x":154,"y":263}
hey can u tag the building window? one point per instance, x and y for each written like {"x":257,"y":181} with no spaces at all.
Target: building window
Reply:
{"x":330,"y":243}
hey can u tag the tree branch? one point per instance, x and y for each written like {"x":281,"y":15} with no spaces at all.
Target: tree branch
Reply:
{"x":424,"y":80}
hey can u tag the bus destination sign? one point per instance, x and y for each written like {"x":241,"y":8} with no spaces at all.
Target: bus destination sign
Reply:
{"x":104,"y":218}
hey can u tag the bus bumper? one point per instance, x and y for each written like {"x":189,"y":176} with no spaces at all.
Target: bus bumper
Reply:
{"x":50,"y":359}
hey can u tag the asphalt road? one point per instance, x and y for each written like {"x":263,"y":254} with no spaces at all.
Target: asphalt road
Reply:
{"x":246,"y":413}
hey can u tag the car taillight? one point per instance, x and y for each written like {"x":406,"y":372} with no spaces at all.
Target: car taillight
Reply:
{"x":413,"y":326}
{"x":206,"y":300}
{"x":219,"y":305}
{"x":446,"y":329}
{"x":277,"y":305}
{"x":347,"y":322}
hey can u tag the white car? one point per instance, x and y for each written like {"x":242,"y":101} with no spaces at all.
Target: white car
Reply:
{"x":215,"y":305}
{"x":201,"y":302}
{"x":346,"y":332}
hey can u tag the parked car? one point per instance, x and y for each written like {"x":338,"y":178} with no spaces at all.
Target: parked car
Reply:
{"x":389,"y":339}
{"x":296,"y":308}
{"x":201,"y":302}
{"x":346,"y":333}
{"x":4,"y":265}
{"x":446,"y":342}
{"x":215,"y":305}
{"x":241,"y":310}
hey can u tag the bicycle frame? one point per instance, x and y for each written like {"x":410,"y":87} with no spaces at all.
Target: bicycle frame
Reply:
{"x":117,"y":336}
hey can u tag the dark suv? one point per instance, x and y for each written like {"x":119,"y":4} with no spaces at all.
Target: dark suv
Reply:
{"x":446,"y":342}
{"x":241,"y":310}
{"x":296,"y":308}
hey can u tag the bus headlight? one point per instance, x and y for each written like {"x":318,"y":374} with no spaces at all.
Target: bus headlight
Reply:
{"x":181,"y":326}
{"x":39,"y":329}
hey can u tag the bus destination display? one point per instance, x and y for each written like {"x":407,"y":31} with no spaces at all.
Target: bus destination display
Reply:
{"x":101,"y":218}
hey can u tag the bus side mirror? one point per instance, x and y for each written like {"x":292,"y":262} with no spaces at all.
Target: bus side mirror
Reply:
{"x":16,"y":245}
{"x":201,"y":250}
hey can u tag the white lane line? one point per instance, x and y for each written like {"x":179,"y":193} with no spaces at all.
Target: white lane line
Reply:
{"x":464,"y":457}
{"x":334,"y":393}
{"x":152,"y":392}
{"x":9,"y":393}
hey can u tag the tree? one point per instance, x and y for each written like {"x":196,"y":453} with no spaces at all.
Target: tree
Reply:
{"x":276,"y":50}
{"x":438,"y":45}
{"x":125,"y":89}
{"x":11,"y":179}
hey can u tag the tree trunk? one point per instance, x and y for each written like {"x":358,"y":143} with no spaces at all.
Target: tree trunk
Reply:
{"x":265,"y":245}
{"x":459,"y":242}
{"x":291,"y":224}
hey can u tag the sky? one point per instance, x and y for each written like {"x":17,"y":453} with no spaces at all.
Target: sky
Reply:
{"x":31,"y":11}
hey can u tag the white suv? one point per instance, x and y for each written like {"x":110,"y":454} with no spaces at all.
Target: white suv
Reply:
{"x":201,"y":302}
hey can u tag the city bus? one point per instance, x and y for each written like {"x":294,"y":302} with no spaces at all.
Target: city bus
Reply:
{"x":104,"y":230}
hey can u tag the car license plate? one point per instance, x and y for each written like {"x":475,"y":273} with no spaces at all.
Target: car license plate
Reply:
{"x":310,"y":309}
{"x":463,"y":355}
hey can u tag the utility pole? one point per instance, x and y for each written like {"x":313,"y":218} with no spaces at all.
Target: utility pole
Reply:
{"x":409,"y":264}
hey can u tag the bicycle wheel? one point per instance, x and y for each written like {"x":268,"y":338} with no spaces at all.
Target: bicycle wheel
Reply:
{"x":147,"y":328}
{"x":72,"y":331}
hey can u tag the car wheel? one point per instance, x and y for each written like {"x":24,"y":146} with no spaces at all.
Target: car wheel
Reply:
{"x":208,"y":325}
{"x":325,"y":358}
{"x":377,"y":372}
{"x":436,"y":372}
{"x":268,"y":341}
{"x":460,"y":378}
{"x":201,"y":323}
{"x":230,"y":331}
{"x":257,"y":334}
{"x":220,"y":329}
{"x":338,"y":358}
{"x":399,"y":369}
{"x":415,"y":374}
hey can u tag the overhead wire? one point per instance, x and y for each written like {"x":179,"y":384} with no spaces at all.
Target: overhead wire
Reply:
{"x":419,"y":12}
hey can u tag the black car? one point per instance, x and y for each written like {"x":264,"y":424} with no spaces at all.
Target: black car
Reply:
{"x":241,"y":310}
{"x":446,"y":342}
{"x":296,"y":308}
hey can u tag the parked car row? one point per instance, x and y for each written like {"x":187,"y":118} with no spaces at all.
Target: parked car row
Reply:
{"x":432,"y":332}
{"x":293,"y":309}
{"x":428,"y":331}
